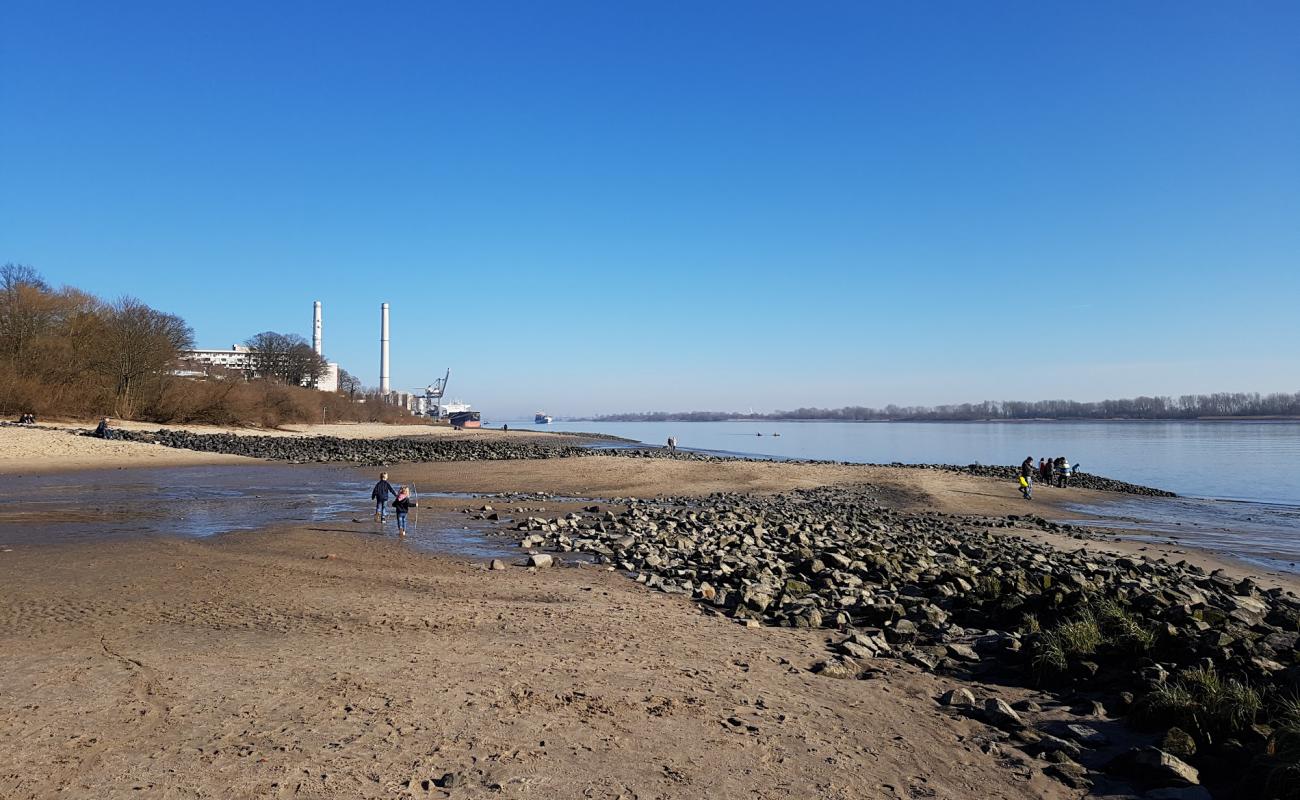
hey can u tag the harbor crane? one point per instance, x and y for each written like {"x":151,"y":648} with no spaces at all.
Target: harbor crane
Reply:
{"x":433,"y":394}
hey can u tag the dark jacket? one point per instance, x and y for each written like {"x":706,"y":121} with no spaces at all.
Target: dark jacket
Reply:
{"x":1027,"y":468}
{"x":404,"y":505}
{"x":382,"y":490}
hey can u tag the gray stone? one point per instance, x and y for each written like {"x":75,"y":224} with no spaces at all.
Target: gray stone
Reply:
{"x":540,"y":560}
{"x":497,"y":563}
{"x":963,"y":652}
{"x":1153,"y":767}
{"x":998,"y":714}
{"x":1089,"y":737}
{"x":959,"y":697}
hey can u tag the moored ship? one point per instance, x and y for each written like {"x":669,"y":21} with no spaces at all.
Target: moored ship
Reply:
{"x":542,"y":418}
{"x":465,"y":419}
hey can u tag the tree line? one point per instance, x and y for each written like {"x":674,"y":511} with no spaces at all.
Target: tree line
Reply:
{"x":1188,"y":406}
{"x":65,"y":352}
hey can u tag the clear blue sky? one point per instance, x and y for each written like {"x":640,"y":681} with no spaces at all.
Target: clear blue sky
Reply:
{"x":599,"y":206}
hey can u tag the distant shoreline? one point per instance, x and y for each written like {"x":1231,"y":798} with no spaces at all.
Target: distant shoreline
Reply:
{"x":675,"y":419}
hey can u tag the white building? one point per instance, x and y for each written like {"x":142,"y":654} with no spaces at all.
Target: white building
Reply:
{"x":202,"y":363}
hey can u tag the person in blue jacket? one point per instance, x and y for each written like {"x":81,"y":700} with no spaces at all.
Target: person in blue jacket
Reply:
{"x":380,"y":495}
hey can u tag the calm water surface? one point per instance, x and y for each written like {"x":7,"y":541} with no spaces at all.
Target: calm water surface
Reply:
{"x":1256,"y":461}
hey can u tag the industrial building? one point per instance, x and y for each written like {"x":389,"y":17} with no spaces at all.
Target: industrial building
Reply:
{"x":240,"y":359}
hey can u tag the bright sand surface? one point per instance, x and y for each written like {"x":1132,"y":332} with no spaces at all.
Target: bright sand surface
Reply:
{"x":318,"y":662}
{"x":310,"y":663}
{"x":57,"y":447}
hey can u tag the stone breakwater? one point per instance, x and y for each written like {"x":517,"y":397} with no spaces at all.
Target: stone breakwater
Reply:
{"x":1203,"y":666}
{"x":331,"y":449}
{"x":416,"y":449}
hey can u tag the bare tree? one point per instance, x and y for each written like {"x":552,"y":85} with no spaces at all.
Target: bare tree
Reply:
{"x":286,"y":357}
{"x":349,"y":384}
{"x":136,"y":342}
{"x":25,"y":312}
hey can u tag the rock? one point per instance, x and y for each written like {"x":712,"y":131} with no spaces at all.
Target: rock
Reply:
{"x":1086,"y":736}
{"x":1070,"y":773}
{"x":837,"y":668}
{"x":540,"y":560}
{"x":1152,"y":767}
{"x":1178,"y":793}
{"x":856,"y":650}
{"x":1000,"y":715}
{"x":1178,"y":742}
{"x":963,"y":652}
{"x":449,"y":780}
{"x":959,"y":697}
{"x":496,"y":564}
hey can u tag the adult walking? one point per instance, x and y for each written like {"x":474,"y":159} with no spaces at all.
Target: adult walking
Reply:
{"x":1027,"y":478}
{"x":672,"y":445}
{"x":380,"y":494}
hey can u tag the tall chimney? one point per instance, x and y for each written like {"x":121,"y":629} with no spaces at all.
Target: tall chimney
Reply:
{"x":315,"y":329}
{"x":383,"y":349}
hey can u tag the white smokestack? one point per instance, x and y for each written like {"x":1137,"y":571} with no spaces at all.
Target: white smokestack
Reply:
{"x":315,"y":329}
{"x":383,"y":349}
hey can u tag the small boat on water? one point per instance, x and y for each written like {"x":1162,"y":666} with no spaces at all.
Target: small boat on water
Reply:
{"x":465,"y":419}
{"x":541,"y":418}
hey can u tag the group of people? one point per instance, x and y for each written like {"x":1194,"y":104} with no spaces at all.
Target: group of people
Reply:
{"x":27,"y":419}
{"x":1059,"y":469}
{"x":402,"y":502}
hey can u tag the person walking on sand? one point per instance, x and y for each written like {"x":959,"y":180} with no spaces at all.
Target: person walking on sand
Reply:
{"x":672,"y":444}
{"x":1027,"y":478}
{"x":380,"y":495}
{"x":401,"y":505}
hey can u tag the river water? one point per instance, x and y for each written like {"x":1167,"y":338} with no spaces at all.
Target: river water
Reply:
{"x":1254,"y":461}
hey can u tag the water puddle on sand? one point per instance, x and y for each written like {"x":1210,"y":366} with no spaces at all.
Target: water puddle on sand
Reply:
{"x":1264,"y":534}
{"x":196,"y":502}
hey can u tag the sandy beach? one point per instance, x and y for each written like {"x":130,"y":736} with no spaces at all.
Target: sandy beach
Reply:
{"x":58,"y":447}
{"x":318,"y":661}
{"x":308,"y":663}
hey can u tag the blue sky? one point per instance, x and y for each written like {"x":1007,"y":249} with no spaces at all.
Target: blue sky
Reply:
{"x":590,"y":207}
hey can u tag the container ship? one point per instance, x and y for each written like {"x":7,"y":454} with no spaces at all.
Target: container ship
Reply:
{"x":541,"y":418}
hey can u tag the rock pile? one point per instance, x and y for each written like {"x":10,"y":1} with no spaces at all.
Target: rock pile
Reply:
{"x":323,"y":449}
{"x":1170,"y":644}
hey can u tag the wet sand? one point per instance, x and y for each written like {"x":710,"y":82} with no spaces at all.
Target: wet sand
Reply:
{"x":310,"y":661}
{"x":298,"y":663}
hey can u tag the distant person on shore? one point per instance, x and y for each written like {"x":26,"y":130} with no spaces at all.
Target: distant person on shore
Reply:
{"x":505,"y":427}
{"x":672,"y":444}
{"x":102,"y":431}
{"x":1027,"y":478}
{"x":380,"y":495}
{"x":401,"y":505}
{"x":1045,"y":471}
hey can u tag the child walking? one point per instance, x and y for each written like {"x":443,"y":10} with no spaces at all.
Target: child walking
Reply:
{"x":402,"y":505}
{"x":380,"y":495}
